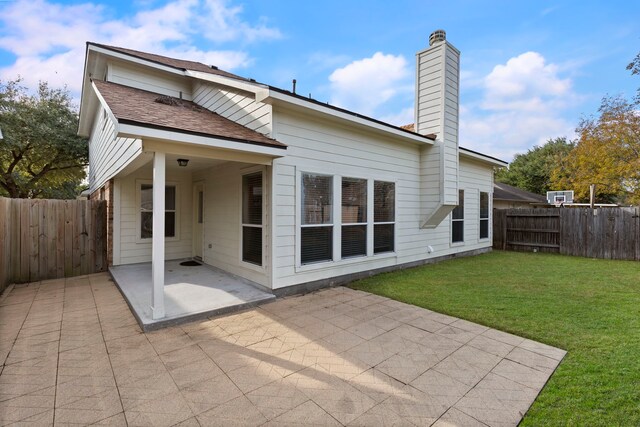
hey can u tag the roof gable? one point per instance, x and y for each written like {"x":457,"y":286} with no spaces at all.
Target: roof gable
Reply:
{"x":136,"y":106}
{"x":180,"y":64}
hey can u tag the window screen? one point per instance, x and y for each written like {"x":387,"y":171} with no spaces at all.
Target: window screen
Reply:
{"x":317,"y":218}
{"x":457,"y":219}
{"x":354,"y":217}
{"x":484,"y":215}
{"x":252,"y":218}
{"x":146,"y":211}
{"x":384,"y":202}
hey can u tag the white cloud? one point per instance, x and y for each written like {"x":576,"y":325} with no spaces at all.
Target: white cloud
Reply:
{"x":367,"y":83}
{"x":48,"y":39}
{"x":522,"y":106}
{"x":523,"y":82}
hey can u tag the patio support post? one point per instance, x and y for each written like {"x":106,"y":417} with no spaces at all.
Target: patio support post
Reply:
{"x":157,"y":248}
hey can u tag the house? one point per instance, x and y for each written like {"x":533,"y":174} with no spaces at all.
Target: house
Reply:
{"x":506,"y":196}
{"x":276,"y":188}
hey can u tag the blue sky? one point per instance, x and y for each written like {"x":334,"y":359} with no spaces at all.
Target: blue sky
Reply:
{"x":530,"y":70}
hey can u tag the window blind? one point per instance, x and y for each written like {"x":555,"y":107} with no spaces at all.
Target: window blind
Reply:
{"x":354,"y":217}
{"x":316,"y":238}
{"x":252,"y":218}
{"x":384,"y":201}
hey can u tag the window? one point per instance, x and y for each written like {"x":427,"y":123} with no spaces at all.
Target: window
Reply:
{"x":484,"y":215}
{"x":457,"y":220}
{"x":317,"y":218}
{"x":252,"y":218}
{"x":384,"y":199}
{"x":354,"y":217}
{"x":146,"y":211}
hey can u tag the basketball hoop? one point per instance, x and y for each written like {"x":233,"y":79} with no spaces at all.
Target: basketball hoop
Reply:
{"x":558,"y":203}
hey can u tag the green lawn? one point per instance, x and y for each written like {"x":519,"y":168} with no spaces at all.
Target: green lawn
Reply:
{"x":589,"y":307}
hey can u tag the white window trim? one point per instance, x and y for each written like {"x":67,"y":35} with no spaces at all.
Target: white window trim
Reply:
{"x":148,"y":240}
{"x":337,"y":219}
{"x":243,"y":263}
{"x":489,"y":218}
{"x":463,"y":241}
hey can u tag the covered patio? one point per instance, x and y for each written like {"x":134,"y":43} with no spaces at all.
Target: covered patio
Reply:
{"x":202,"y":179}
{"x":190,"y":292}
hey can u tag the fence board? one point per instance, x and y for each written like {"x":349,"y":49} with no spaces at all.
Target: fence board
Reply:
{"x":51,"y":221}
{"x":43,"y":253}
{"x":24,"y":243}
{"x":609,"y":233}
{"x":5,"y":243}
{"x":47,"y":239}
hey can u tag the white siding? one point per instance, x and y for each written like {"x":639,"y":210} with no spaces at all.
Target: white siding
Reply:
{"x":235,"y":105}
{"x":108,"y":154}
{"x":149,"y":79}
{"x":222,"y":221}
{"x":132,"y":248}
{"x":316,"y":147}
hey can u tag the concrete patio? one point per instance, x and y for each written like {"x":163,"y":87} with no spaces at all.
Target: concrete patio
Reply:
{"x":190,"y":292}
{"x":73,"y":353}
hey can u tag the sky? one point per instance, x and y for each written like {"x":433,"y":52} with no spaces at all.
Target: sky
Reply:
{"x":530,"y":70}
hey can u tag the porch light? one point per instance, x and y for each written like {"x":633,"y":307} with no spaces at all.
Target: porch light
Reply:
{"x":183,"y":162}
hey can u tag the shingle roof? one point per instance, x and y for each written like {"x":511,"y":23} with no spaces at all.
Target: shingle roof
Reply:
{"x":503,"y":191}
{"x":180,"y":64}
{"x":136,"y":106}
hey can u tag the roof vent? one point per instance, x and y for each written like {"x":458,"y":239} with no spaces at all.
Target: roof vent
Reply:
{"x":167,"y":100}
{"x":437,"y":36}
{"x":213,"y":67}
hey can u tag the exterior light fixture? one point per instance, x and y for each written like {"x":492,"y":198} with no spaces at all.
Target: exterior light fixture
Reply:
{"x":183,"y":162}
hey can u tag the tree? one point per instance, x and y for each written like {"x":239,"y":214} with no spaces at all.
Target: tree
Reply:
{"x":40,"y":155}
{"x":634,"y":67}
{"x":532,"y":171}
{"x":607,"y":154}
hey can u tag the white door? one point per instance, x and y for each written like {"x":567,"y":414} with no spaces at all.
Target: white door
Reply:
{"x":198,"y":220}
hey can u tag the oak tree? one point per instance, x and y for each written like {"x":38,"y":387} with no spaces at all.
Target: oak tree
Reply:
{"x":40,"y":153}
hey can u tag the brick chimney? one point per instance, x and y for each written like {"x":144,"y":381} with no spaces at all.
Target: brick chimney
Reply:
{"x":436,"y":112}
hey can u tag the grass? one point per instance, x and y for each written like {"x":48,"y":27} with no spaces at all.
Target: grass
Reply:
{"x":589,"y":307}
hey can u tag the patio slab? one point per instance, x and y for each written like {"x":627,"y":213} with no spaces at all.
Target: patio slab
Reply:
{"x":190,"y":292}
{"x":74,"y":353}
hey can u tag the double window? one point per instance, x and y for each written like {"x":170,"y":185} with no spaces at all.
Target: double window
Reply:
{"x":355,"y":228}
{"x":457,"y":220}
{"x":146,"y":211}
{"x":484,"y":215}
{"x":252,"y":218}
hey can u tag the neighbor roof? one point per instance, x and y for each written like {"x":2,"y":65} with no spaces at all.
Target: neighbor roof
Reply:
{"x":180,"y":64}
{"x":503,"y":191}
{"x":149,"y":109}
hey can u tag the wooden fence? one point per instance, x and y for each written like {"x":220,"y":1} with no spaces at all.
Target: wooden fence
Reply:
{"x":47,"y":239}
{"x":609,"y":233}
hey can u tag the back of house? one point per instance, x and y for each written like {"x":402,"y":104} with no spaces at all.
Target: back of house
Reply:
{"x":280,"y":189}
